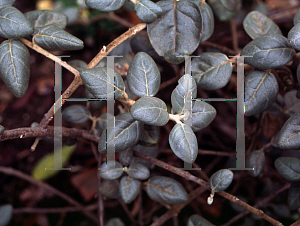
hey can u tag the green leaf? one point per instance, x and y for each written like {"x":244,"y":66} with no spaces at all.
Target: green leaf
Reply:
{"x":261,"y":89}
{"x":51,"y":37}
{"x":78,"y":64}
{"x":1,"y":129}
{"x":111,"y":170}
{"x":208,"y":23}
{"x":197,"y":220}
{"x":13,"y":23}
{"x":6,"y":212}
{"x":110,"y":189}
{"x":202,"y":115}
{"x":39,"y":171}
{"x":211,"y":71}
{"x":183,"y":142}
{"x":115,"y":222}
{"x":257,"y":24}
{"x":125,"y":157}
{"x":255,"y":160}
{"x":151,"y":111}
{"x":288,"y":167}
{"x":124,"y":133}
{"x":129,"y":189}
{"x":221,"y":180}
{"x":95,"y":80}
{"x":166,"y":190}
{"x":143,"y":76}
{"x":5,"y":3}
{"x":268,"y":51}
{"x":290,"y":133}
{"x":297,"y":17}
{"x":138,"y":171}
{"x":15,"y":66}
{"x":186,"y":86}
{"x":105,"y":5}
{"x":42,"y":18}
{"x":150,"y":136}
{"x":147,"y":11}
{"x":77,"y":114}
{"x":294,"y":36}
{"x":294,"y":195}
{"x":150,"y":151}
{"x":176,"y":32}
{"x":223,"y":13}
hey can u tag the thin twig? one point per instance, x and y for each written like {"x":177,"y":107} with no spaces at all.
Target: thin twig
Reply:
{"x":169,"y":82}
{"x":100,"y":198}
{"x":222,"y":48}
{"x":235,"y":41}
{"x":127,"y":211}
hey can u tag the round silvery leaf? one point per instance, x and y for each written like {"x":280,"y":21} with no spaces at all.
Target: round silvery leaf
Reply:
{"x":77,"y":114}
{"x":151,"y":111}
{"x":125,"y":157}
{"x":297,"y":17}
{"x":268,"y":51}
{"x":261,"y":89}
{"x":138,"y":171}
{"x":257,"y":24}
{"x":288,"y":167}
{"x":147,"y":11}
{"x":202,"y":115}
{"x":6,"y":212}
{"x":111,"y":170}
{"x":150,"y":136}
{"x":1,"y":129}
{"x":294,"y":36}
{"x":115,"y":222}
{"x":293,"y":196}
{"x":110,"y":189}
{"x":211,"y":71}
{"x":5,"y":3}
{"x":255,"y":160}
{"x":105,"y":5}
{"x":129,"y":189}
{"x":166,"y":190}
{"x":221,"y":180}
{"x":197,"y":220}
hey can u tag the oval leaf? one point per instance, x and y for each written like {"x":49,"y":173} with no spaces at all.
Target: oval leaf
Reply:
{"x":13,"y":23}
{"x":288,"y":167}
{"x":166,"y":190}
{"x":110,"y":189}
{"x":147,"y":11}
{"x":186,"y":86}
{"x":51,"y":37}
{"x":42,"y":18}
{"x":123,"y":134}
{"x":5,"y":3}
{"x":15,"y":66}
{"x":257,"y":24}
{"x":184,"y":142}
{"x":150,"y":151}
{"x":105,"y":5}
{"x":6,"y":212}
{"x":143,"y":76}
{"x":129,"y":189}
{"x":221,"y":180}
{"x":197,"y":220}
{"x":294,"y":36}
{"x":1,"y":129}
{"x":111,"y":170}
{"x":255,"y":160}
{"x":290,"y":133}
{"x":221,"y":11}
{"x":77,"y":114}
{"x":294,"y":195}
{"x":202,"y":115}
{"x":297,"y":17}
{"x":176,"y":32}
{"x":150,"y":136}
{"x":261,"y":89}
{"x":39,"y":172}
{"x":208,"y":23}
{"x":268,"y":51}
{"x":138,"y":171}
{"x":115,"y":222}
{"x":95,"y":80}
{"x":125,"y":157}
{"x":151,"y":111}
{"x":291,"y":102}
{"x":211,"y":71}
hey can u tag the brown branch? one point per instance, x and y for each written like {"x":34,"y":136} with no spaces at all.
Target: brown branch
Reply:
{"x":221,"y":48}
{"x":16,"y":173}
{"x":188,"y":176}
{"x":205,"y":152}
{"x":235,"y":41}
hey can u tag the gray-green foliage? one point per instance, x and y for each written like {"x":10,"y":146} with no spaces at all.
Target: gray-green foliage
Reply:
{"x":105,"y":5}
{"x":294,"y":36}
{"x":122,"y":134}
{"x":288,"y":167}
{"x":224,"y":9}
{"x":268,"y":51}
{"x":209,"y":68}
{"x":261,"y":89}
{"x":125,"y":157}
{"x":290,"y":133}
{"x":202,"y":115}
{"x":129,"y":188}
{"x":151,"y":111}
{"x":95,"y":80}
{"x":257,"y":24}
{"x":111,"y":170}
{"x":115,"y":222}
{"x":13,"y":23}
{"x":5,"y":3}
{"x":292,"y":103}
{"x":147,"y":11}
{"x":197,"y":220}
{"x":143,"y":75}
{"x":150,"y":151}
{"x":150,"y":136}
{"x":6,"y":212}
{"x":297,"y":17}
{"x":138,"y":171}
{"x":255,"y":160}
{"x":78,"y":64}
{"x":208,"y":23}
{"x":221,"y":180}
{"x":176,"y":32}
{"x":183,"y":142}
{"x":294,"y":196}
{"x":15,"y":66}
{"x":110,"y":189}
{"x":77,"y":114}
{"x":166,"y":190}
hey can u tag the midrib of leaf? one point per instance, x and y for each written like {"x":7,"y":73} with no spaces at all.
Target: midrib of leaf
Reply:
{"x":221,"y":181}
{"x":127,"y":186}
{"x":146,"y":80}
{"x":126,"y":128}
{"x":53,"y":37}
{"x":145,"y":7}
{"x":291,"y":137}
{"x":187,"y":141}
{"x":12,"y":60}
{"x":212,"y":68}
{"x":255,"y":91}
{"x":162,"y":189}
{"x":14,"y":21}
